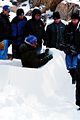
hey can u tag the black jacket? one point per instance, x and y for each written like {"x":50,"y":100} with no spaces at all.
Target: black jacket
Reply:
{"x":17,"y":26}
{"x":35,"y":28}
{"x":5,"y":27}
{"x":55,"y":35}
{"x":31,"y":59}
{"x":72,"y":37}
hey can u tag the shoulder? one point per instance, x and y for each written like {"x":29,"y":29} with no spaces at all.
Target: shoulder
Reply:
{"x":68,"y":25}
{"x":30,"y":22}
{"x":25,"y":18}
{"x":51,"y":25}
{"x":14,"y":20}
{"x":1,"y":18}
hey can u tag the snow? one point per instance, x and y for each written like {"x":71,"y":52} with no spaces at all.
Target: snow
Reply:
{"x":45,"y":93}
{"x":2,"y":3}
{"x":77,"y":2}
{"x":25,"y":6}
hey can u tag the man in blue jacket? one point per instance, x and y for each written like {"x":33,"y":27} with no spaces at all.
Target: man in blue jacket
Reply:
{"x":17,"y":26}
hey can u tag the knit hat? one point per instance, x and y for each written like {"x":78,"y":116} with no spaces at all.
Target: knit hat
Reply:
{"x":35,"y":11}
{"x":74,"y":16}
{"x":6,"y":7}
{"x":20,"y":11}
{"x":30,"y":39}
{"x":56,"y":15}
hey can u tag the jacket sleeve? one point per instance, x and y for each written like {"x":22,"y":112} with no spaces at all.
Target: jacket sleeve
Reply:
{"x":14,"y":29}
{"x":47,"y":36}
{"x":77,"y":38}
{"x":1,"y":31}
{"x":26,"y":29}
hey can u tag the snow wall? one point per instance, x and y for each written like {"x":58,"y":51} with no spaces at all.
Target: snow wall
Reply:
{"x":44,"y":82}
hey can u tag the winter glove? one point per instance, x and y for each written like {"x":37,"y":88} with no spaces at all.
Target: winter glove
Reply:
{"x":47,"y":58}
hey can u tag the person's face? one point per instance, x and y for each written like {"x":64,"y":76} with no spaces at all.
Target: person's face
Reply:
{"x":21,"y":17}
{"x":6,"y":12}
{"x":75,"y":21}
{"x":34,"y":45}
{"x":37,"y":16}
{"x":57,"y":20}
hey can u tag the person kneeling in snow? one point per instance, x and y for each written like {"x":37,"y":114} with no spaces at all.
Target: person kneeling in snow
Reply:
{"x":29,"y":56}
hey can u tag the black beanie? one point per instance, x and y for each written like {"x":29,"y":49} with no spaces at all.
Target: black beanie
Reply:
{"x":56,"y":15}
{"x":35,"y":11}
{"x":74,"y":16}
{"x":20,"y":12}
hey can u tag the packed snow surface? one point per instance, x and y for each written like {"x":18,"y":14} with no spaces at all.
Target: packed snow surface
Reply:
{"x":45,"y":93}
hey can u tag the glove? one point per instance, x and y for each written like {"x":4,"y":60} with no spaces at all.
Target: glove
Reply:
{"x":48,"y":57}
{"x":47,"y":52}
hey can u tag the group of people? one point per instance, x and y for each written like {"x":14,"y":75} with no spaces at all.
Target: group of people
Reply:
{"x":27,"y":37}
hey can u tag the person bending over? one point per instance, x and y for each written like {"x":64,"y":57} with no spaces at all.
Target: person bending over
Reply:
{"x":29,"y":56}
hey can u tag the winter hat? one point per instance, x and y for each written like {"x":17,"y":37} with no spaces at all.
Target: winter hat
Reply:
{"x":30,"y":39}
{"x":56,"y":15}
{"x":6,"y":7}
{"x":20,"y":12}
{"x":35,"y":11}
{"x":74,"y":16}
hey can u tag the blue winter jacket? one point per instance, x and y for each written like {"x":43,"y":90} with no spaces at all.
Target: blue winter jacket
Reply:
{"x":17,"y":26}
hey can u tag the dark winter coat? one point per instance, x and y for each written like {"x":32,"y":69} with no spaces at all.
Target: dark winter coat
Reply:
{"x":71,"y":38}
{"x":5,"y":27}
{"x":31,"y":59}
{"x":55,"y":35}
{"x":35,"y":28}
{"x":17,"y":26}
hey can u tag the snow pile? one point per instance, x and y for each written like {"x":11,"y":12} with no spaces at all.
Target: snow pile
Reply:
{"x":37,"y":94}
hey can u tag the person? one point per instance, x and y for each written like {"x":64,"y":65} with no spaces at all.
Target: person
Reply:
{"x":35,"y":27}
{"x":78,"y":81}
{"x":78,"y":66}
{"x":5,"y":32}
{"x":29,"y":56}
{"x":55,"y":32}
{"x":17,"y":25}
{"x":71,"y":46}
